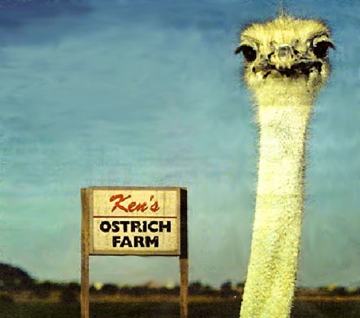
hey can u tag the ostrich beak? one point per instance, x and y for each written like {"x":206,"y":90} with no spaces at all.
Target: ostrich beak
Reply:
{"x":283,"y":57}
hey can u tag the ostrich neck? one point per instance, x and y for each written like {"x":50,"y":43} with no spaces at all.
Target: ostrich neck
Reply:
{"x":271,"y":274}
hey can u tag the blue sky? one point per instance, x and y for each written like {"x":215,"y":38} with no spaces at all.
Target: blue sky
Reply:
{"x":149,"y":93}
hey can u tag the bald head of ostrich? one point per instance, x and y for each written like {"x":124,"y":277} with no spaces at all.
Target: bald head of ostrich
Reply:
{"x":285,"y":65}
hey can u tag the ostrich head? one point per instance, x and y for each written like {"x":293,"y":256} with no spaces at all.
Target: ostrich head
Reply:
{"x":286,"y":55}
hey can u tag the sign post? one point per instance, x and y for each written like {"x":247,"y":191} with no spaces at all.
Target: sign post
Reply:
{"x":144,"y":221}
{"x":84,"y":297}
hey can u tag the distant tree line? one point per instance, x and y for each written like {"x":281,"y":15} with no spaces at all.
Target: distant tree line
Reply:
{"x":14,"y":279}
{"x":195,"y":288}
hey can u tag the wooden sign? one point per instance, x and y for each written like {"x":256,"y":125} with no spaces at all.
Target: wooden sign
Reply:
{"x":145,"y":221}
{"x":135,"y":221}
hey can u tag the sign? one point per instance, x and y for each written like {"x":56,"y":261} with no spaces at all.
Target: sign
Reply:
{"x":135,"y":221}
{"x":146,"y":221}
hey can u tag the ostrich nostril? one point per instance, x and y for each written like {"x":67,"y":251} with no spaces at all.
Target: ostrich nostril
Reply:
{"x":284,"y":50}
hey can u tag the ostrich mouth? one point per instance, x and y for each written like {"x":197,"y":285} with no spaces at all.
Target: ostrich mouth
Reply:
{"x":300,"y":68}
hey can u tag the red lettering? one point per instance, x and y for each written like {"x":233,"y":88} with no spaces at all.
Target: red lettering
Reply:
{"x":117,"y":204}
{"x":133,"y":205}
{"x":155,"y":207}
{"x":142,"y":207}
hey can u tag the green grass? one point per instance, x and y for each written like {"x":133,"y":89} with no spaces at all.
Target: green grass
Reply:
{"x":171,"y":310}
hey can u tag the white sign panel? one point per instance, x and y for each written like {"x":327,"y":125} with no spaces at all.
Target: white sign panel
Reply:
{"x":135,"y":221}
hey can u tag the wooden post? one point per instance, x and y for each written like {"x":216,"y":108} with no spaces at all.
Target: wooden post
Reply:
{"x":184,"y":282}
{"x":184,"y":258}
{"x":84,"y":297}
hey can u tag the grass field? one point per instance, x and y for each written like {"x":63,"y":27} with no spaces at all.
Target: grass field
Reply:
{"x":302,"y":309}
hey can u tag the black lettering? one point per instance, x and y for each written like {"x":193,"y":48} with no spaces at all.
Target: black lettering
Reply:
{"x":116,"y":240}
{"x":126,"y":242}
{"x":151,"y":241}
{"x":166,"y":226}
{"x":135,"y":225}
{"x":115,"y":226}
{"x":105,"y":226}
{"x":139,"y":241}
{"x":125,"y":225}
{"x":151,"y":228}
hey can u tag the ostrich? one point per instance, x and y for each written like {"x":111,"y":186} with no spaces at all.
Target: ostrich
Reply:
{"x":285,"y":65}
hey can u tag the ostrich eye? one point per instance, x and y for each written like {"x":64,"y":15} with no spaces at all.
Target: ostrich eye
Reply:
{"x":248,"y":52}
{"x":320,"y":49}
